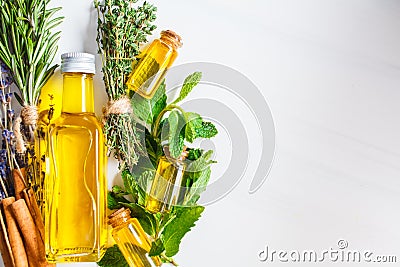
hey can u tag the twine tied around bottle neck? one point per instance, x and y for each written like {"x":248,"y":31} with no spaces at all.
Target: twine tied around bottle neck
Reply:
{"x":120,"y":106}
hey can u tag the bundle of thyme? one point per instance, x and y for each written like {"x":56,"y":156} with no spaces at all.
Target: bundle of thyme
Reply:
{"x":122,"y":28}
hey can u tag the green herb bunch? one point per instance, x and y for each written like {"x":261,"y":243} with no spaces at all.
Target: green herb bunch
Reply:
{"x":28,"y":46}
{"x":181,"y":128}
{"x":122,"y":28}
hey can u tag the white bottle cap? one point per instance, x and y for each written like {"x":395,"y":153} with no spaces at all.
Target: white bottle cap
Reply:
{"x":78,"y":62}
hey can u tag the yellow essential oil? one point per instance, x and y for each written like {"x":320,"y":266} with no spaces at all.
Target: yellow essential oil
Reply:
{"x":132,"y":240}
{"x":49,"y":108}
{"x":76,"y":188}
{"x":168,"y":186}
{"x":153,"y":64}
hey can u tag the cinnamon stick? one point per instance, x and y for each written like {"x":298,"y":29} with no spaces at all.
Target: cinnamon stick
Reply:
{"x":17,"y":246}
{"x":31,"y":202}
{"x":29,"y":231}
{"x":19,"y":181}
{"x":5,"y":246}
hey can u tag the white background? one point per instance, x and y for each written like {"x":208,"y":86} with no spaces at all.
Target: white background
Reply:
{"x":330,"y":71}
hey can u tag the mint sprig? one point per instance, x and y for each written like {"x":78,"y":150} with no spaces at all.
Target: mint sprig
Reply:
{"x":163,"y":121}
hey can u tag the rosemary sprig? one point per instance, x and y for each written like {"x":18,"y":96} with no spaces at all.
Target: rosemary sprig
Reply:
{"x":27,"y":45}
{"x":122,"y":27}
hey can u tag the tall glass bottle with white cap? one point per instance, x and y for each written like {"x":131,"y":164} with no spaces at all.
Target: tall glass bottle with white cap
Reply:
{"x":76,"y":187}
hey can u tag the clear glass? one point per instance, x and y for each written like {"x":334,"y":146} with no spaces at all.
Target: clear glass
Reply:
{"x":76,"y":188}
{"x":134,"y":244}
{"x":168,"y":187}
{"x":149,"y":71}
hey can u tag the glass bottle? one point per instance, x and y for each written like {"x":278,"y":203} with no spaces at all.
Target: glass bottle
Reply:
{"x":49,"y":108}
{"x":131,"y":239}
{"x":153,"y":63}
{"x":76,"y":188}
{"x":168,"y":186}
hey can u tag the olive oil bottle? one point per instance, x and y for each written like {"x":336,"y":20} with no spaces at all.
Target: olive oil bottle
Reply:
{"x":168,"y":187}
{"x":76,"y":187}
{"x":153,"y":63}
{"x":131,"y":239}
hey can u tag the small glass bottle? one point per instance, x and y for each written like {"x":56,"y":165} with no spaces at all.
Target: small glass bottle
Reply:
{"x":153,"y":63}
{"x":76,"y":186}
{"x":131,"y":239}
{"x":168,"y":186}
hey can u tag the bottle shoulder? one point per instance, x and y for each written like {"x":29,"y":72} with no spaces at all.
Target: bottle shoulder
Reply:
{"x":161,"y":45}
{"x":131,"y":222}
{"x":172,"y":162}
{"x":87,"y":120}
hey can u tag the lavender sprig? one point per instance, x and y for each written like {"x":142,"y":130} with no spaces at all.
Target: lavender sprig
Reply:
{"x":7,"y":115}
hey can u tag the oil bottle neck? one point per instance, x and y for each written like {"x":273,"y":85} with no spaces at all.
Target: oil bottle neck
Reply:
{"x":77,"y":93}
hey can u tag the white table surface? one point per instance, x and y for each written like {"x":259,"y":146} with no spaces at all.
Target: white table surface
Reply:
{"x":330,"y":71}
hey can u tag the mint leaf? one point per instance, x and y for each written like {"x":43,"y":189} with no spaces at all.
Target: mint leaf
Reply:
{"x":206,"y":130}
{"x":113,"y":258}
{"x":190,"y":82}
{"x":194,"y":153}
{"x":174,"y":232}
{"x":130,"y":184}
{"x":146,"y":219}
{"x":193,"y":122}
{"x":147,"y":110}
{"x":176,"y":126}
{"x":199,"y":185}
{"x":197,"y":176}
{"x":114,"y":198}
{"x":157,"y":247}
{"x":144,"y":182}
{"x":201,"y":163}
{"x":196,"y":127}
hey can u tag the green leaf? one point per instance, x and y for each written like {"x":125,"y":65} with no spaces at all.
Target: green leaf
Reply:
{"x":130,"y":184}
{"x":113,"y":258}
{"x":147,"y":110}
{"x":174,"y":232}
{"x":176,"y":126}
{"x":157,"y":247}
{"x":146,"y":219}
{"x":199,"y":182}
{"x":115,"y":197}
{"x":144,"y":182}
{"x":196,"y":127}
{"x":201,"y":163}
{"x":19,"y":99}
{"x":194,"y":153}
{"x":190,"y":82}
{"x":193,"y":122}
{"x":207,"y":130}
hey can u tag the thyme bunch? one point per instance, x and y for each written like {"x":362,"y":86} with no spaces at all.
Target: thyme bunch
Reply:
{"x":122,"y":27}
